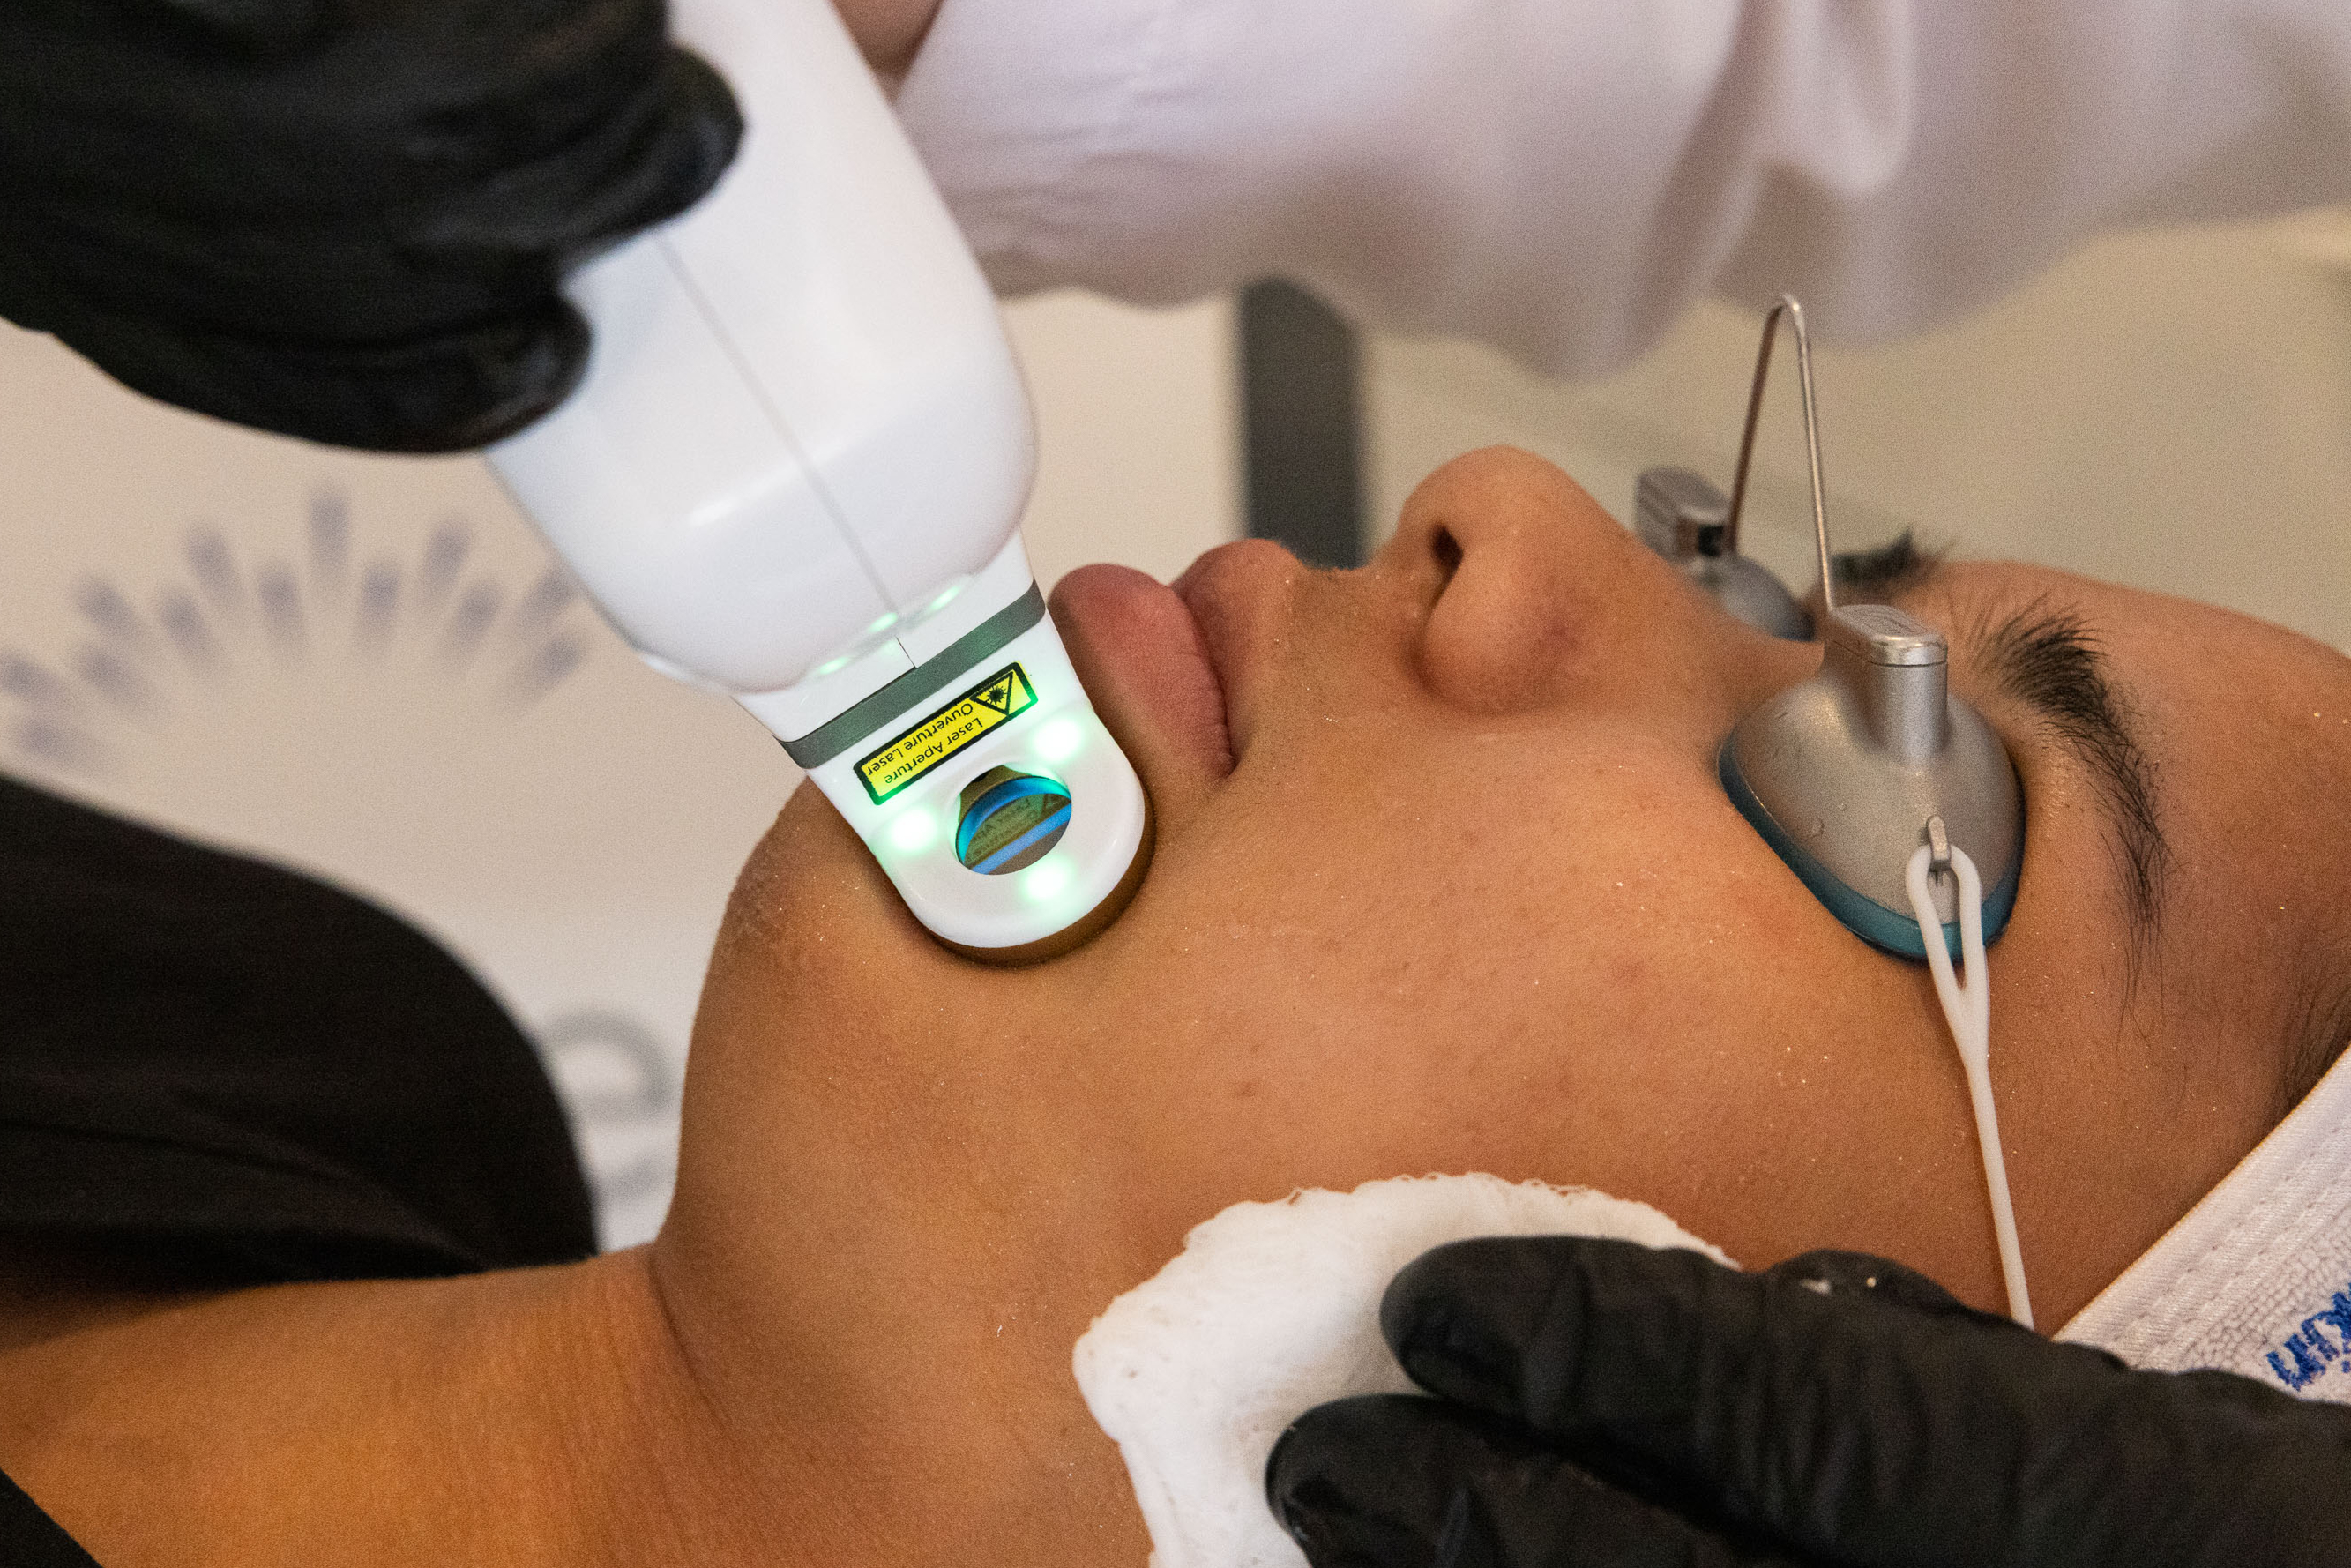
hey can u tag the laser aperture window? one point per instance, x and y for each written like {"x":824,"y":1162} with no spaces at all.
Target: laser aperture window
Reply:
{"x":1009,"y":820}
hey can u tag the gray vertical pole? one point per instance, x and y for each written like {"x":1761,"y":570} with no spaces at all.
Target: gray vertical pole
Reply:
{"x":1302,"y":419}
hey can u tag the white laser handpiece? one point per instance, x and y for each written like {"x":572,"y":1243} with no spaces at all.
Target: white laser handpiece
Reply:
{"x":794,"y":472}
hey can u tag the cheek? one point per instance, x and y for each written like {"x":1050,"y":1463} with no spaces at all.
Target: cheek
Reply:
{"x":1392,"y":943}
{"x":1649,"y":1013}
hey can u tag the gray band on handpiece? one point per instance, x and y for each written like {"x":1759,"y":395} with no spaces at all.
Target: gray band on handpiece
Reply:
{"x":835,"y":735}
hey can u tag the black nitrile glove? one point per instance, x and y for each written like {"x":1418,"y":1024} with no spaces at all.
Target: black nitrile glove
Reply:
{"x":339,"y":219}
{"x":1604,"y":1405}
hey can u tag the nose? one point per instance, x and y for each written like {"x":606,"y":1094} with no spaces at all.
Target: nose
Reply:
{"x":1539,"y":599}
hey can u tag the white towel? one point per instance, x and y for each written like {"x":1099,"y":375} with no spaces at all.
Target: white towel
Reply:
{"x":2256,"y":1279}
{"x":1271,"y":1309}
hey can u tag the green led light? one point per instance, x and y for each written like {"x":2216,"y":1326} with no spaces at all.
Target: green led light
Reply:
{"x":882,"y":622}
{"x":833,"y":666}
{"x":912,"y":832}
{"x":1060,"y":739}
{"x":943,"y":601}
{"x":1046,"y":880}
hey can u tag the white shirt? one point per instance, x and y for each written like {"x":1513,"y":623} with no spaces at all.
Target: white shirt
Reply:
{"x":1562,"y":177}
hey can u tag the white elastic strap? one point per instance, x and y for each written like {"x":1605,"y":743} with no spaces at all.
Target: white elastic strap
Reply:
{"x":1967,"y":1009}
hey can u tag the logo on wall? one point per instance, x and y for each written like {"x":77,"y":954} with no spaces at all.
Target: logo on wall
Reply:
{"x":314,"y":615}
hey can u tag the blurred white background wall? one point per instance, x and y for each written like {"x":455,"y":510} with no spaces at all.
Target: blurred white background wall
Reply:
{"x":365,"y":667}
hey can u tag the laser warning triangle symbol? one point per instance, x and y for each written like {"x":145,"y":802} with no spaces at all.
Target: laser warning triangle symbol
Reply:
{"x":999,"y":696}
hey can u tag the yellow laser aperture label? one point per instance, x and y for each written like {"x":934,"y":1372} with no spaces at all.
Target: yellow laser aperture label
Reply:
{"x":1003,"y":697}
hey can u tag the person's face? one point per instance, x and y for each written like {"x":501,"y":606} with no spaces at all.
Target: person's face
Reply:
{"x":1445,"y":882}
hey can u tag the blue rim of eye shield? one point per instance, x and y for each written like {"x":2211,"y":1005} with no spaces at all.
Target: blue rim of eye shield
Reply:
{"x":1881,"y":928}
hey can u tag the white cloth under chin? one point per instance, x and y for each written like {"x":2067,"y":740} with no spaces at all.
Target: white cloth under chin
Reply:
{"x":1561,"y":178}
{"x":1272,"y":1309}
{"x":2256,"y":1279}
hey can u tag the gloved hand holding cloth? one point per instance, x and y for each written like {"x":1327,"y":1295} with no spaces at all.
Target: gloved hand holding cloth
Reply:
{"x":1602,"y":1404}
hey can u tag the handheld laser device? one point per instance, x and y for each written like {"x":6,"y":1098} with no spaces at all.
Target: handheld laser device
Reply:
{"x":794,"y":472}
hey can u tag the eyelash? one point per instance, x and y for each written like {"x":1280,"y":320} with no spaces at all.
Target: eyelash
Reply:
{"x":1887,"y":571}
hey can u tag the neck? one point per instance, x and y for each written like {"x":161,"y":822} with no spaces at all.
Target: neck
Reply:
{"x":871,"y":1407}
{"x":589,"y":1413}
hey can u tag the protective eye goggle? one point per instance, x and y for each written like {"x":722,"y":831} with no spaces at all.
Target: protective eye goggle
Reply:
{"x":1880,"y":790}
{"x":1842,"y":773}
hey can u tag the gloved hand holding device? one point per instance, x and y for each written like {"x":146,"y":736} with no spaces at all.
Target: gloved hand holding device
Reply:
{"x":794,"y":472}
{"x":1602,"y":1404}
{"x":339,"y":219}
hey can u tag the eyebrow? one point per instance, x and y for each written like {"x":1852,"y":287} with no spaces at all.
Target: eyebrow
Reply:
{"x":2049,"y":660}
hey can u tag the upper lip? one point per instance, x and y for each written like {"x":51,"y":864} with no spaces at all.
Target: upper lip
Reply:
{"x":1230,"y":592}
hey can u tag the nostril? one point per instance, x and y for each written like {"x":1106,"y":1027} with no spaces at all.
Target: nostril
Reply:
{"x":1447,"y":551}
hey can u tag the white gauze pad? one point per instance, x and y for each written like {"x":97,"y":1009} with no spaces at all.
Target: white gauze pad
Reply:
{"x":1273,"y":1308}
